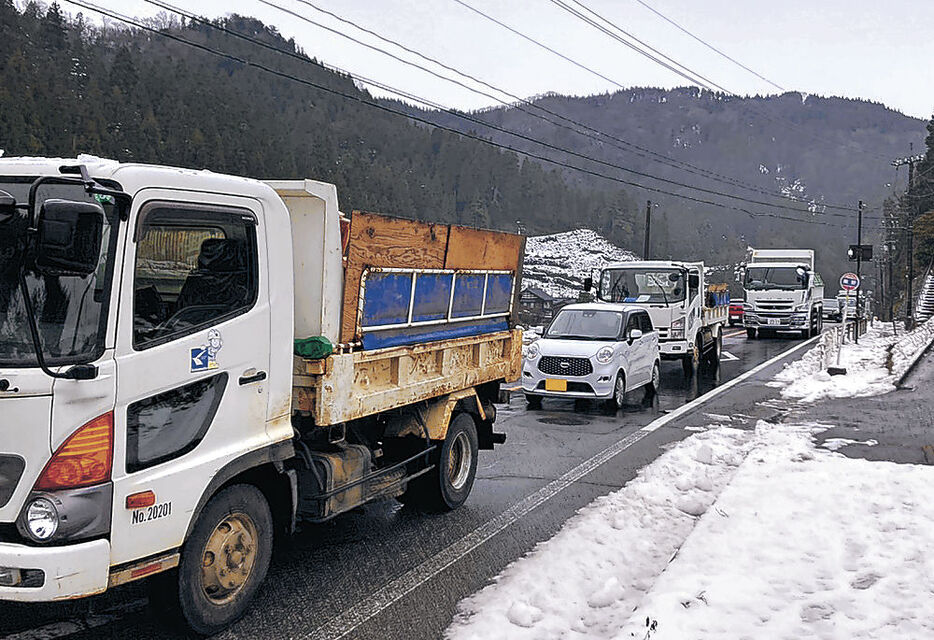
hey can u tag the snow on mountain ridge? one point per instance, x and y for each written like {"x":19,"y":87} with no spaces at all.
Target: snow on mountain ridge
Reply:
{"x":559,"y":262}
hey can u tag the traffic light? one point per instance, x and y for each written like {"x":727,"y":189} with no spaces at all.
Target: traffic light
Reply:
{"x":861,"y":252}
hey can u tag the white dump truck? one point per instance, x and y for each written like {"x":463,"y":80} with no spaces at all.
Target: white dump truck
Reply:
{"x":783,"y":293}
{"x":688,"y":313}
{"x":190,"y":363}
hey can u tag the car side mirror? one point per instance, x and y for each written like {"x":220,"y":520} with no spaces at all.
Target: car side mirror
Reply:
{"x":588,"y":283}
{"x":635,"y":334}
{"x":69,"y":238}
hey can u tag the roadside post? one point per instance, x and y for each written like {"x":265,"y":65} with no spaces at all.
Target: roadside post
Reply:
{"x":848,"y":282}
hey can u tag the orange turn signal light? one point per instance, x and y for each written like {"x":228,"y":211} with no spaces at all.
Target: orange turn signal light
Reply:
{"x":140,"y":500}
{"x":84,"y":459}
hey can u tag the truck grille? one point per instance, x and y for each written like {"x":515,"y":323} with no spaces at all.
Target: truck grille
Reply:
{"x":11,"y":468}
{"x":560,"y":366}
{"x":775,"y":305}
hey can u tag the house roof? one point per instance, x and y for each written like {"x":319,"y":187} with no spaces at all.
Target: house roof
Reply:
{"x":538,"y":293}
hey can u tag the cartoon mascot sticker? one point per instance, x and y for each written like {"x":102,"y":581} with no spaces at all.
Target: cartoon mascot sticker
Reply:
{"x":204,"y":358}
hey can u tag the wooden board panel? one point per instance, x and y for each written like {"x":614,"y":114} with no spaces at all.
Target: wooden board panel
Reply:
{"x":480,"y":249}
{"x":382,"y":241}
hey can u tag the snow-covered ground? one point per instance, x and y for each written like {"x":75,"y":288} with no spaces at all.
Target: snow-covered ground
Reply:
{"x":873,"y":366}
{"x":730,"y":534}
{"x":558,"y":263}
{"x":738,"y":533}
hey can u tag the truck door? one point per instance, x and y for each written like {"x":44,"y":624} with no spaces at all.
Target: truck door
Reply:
{"x":192,"y":355}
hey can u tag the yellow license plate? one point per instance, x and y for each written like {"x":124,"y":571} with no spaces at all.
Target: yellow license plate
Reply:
{"x":556,"y":385}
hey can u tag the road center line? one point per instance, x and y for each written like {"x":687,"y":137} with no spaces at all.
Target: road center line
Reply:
{"x":348,"y":621}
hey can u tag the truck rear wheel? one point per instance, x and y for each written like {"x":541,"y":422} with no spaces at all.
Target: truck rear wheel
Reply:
{"x":447,"y":486}
{"x":712,"y":357}
{"x":225,"y":559}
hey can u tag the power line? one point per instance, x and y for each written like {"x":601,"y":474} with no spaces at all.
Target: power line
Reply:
{"x":521,"y":136}
{"x":382,"y":107}
{"x":709,"y":46}
{"x":628,"y":146}
{"x":646,"y":54}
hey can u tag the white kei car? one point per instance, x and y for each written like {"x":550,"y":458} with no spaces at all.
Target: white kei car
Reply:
{"x":595,"y":350}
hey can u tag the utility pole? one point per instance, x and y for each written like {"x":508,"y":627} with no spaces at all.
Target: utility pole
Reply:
{"x":647,"y":245}
{"x":910,"y":161}
{"x":859,"y":264}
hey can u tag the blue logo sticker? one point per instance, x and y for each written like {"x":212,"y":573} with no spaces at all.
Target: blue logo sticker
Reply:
{"x":204,"y":358}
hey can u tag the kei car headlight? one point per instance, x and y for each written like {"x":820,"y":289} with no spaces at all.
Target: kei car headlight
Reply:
{"x":605,"y":355}
{"x":532,"y":351}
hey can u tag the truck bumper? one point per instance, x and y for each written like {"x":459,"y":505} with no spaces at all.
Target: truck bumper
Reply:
{"x":72,"y":571}
{"x":790,"y":322}
{"x":674,"y":349}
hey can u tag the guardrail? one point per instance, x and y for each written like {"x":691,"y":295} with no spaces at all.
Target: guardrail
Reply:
{"x":830,"y":340}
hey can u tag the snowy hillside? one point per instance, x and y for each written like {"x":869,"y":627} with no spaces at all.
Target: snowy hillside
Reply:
{"x":558,"y":263}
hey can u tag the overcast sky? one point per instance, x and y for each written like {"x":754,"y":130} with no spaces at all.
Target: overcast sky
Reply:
{"x":882,"y":51}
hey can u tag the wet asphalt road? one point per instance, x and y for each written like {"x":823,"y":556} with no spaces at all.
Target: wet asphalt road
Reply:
{"x":388,"y":572}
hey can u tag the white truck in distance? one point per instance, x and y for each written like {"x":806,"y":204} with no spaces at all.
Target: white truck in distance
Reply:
{"x":190,"y":363}
{"x":593,"y":351}
{"x":783,"y":293}
{"x":688,"y":314}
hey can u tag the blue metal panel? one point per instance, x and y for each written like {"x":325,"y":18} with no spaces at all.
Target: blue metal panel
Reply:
{"x":468,"y":295}
{"x":431,"y":333}
{"x":432,"y":296}
{"x":386,"y":299}
{"x":498,"y":293}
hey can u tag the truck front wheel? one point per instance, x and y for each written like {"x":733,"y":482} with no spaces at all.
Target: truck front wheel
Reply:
{"x":447,"y":486}
{"x":751,"y":334}
{"x":225,"y":559}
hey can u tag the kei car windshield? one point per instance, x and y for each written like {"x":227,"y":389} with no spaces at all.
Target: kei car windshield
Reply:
{"x":585,"y":324}
{"x":71,"y":311}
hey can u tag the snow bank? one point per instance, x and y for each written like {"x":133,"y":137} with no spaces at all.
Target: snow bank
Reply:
{"x":804,"y":543}
{"x":585,"y":582}
{"x":874,"y":366}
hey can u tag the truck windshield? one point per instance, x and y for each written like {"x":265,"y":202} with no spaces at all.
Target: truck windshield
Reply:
{"x":71,"y":311}
{"x":585,"y":324}
{"x":773,"y":278}
{"x":642,"y":285}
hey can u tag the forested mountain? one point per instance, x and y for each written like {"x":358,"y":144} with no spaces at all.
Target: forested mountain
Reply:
{"x":68,"y":87}
{"x":811,"y":151}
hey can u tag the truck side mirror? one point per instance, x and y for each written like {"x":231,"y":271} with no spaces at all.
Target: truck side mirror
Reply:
{"x":7,"y":206}
{"x":69,"y":238}
{"x":588,"y":283}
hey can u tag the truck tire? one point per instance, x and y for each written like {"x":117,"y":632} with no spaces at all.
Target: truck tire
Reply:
{"x":691,"y":361}
{"x":533,"y":401}
{"x":712,"y":357}
{"x":447,"y":486}
{"x":751,"y":334}
{"x":225,"y":559}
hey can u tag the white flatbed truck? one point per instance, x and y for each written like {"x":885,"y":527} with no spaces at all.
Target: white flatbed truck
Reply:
{"x":200,"y":361}
{"x":688,"y":313}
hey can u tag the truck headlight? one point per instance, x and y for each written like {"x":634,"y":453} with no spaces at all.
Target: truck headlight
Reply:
{"x":533,"y":350}
{"x":42,"y":519}
{"x":605,"y":355}
{"x":677,"y":329}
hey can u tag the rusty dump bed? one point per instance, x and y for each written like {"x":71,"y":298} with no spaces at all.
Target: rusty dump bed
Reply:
{"x":427,"y":310}
{"x":354,"y":385}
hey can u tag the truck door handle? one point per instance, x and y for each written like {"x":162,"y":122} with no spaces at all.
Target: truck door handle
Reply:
{"x":250,"y":376}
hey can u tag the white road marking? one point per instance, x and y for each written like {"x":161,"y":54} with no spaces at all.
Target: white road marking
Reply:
{"x":351,"y":619}
{"x":726,"y":356}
